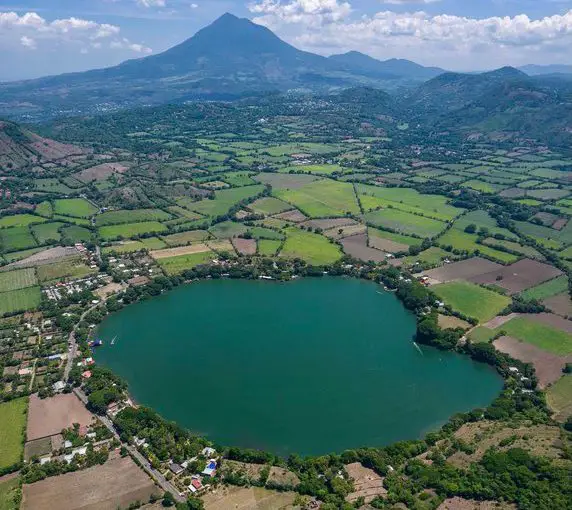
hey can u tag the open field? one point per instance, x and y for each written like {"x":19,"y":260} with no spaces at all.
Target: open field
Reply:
{"x":115,"y":484}
{"x":37,"y":448}
{"x":9,"y":493}
{"x":191,"y":236}
{"x":268,"y":247}
{"x":100,"y":172}
{"x":464,"y":242}
{"x":13,"y":420}
{"x":128,"y":230}
{"x":182,"y":250}
{"x":16,"y":239}
{"x":227,"y":229}
{"x":78,"y":207}
{"x":404,"y":222}
{"x":547,"y":289}
{"x":20,"y":300}
{"x":50,"y":416}
{"x":471,"y":300}
{"x":559,"y":397}
{"x":131,"y":216}
{"x":47,"y":232}
{"x":18,"y":279}
{"x":548,"y":366}
{"x":313,"y":248}
{"x":452,"y":322}
{"x":253,"y":498}
{"x":357,"y":247}
{"x":244,"y":246}
{"x":225,"y":199}
{"x":541,"y":335}
{"x":462,"y":270}
{"x":269,"y":206}
{"x":560,"y":304}
{"x":285,"y":181}
{"x":367,"y":483}
{"x":322,"y":198}
{"x":19,"y":220}
{"x":69,"y":268}
{"x":179,"y":263}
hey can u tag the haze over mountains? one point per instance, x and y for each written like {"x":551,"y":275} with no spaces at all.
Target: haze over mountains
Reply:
{"x":234,"y":58}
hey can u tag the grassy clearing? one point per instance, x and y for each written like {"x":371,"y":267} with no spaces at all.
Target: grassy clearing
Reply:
{"x":404,"y":222}
{"x":178,"y":264}
{"x":313,"y":248}
{"x":483,"y":187}
{"x":13,"y":420}
{"x":76,"y":234}
{"x":227,"y":229}
{"x":18,"y":279}
{"x":396,"y":238}
{"x":16,"y":238}
{"x":127,"y":230}
{"x":224,"y":200}
{"x":472,"y":300}
{"x":77,"y":207}
{"x":547,"y":289}
{"x":47,"y":233}
{"x":269,"y":206}
{"x":9,"y":494}
{"x":20,"y":220}
{"x":323,"y":198}
{"x":483,"y":220}
{"x":183,"y":238}
{"x":265,"y":233}
{"x":238,"y":178}
{"x":268,"y":247}
{"x":468,"y":242}
{"x":430,"y":257}
{"x":559,"y":397}
{"x":541,"y":335}
{"x":74,"y":268}
{"x":481,"y":335}
{"x":131,"y":216}
{"x":19,"y":255}
{"x":527,"y":251}
{"x":545,"y":236}
{"x":434,"y":206}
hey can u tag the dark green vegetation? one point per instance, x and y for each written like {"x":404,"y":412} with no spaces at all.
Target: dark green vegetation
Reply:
{"x":376,"y":390}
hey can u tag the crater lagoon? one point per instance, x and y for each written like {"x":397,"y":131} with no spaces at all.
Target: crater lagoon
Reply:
{"x":313,"y":366}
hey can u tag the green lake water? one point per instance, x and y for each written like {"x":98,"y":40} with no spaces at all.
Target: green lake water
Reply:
{"x":311,"y":366}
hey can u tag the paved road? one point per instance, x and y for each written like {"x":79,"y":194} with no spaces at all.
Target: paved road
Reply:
{"x":153,"y":473}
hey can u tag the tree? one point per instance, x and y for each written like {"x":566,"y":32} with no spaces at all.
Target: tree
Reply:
{"x":471,"y":228}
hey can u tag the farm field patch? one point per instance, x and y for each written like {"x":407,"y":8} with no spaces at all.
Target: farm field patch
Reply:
{"x":224,"y":200}
{"x":18,"y":279}
{"x":269,"y":206}
{"x":71,"y":268}
{"x":179,"y":263}
{"x":547,"y":289}
{"x":471,"y":300}
{"x":268,"y":247}
{"x":191,"y":236}
{"x":47,"y":233}
{"x":20,"y":300}
{"x":227,"y":229}
{"x":131,"y":216}
{"x":357,"y":247}
{"x":20,"y":220}
{"x":13,"y":419}
{"x":9,"y":498}
{"x":16,"y":239}
{"x":559,"y":398}
{"x":76,"y":207}
{"x":313,"y":248}
{"x":405,"y":223}
{"x":127,"y":230}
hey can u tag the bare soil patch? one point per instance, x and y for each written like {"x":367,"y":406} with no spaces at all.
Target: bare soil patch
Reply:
{"x":387,"y":245}
{"x":47,"y":417}
{"x":560,"y":304}
{"x":100,"y":172}
{"x":285,"y":181}
{"x":560,"y":223}
{"x":521,"y":275}
{"x":116,"y":484}
{"x":45,"y":257}
{"x":463,"y":270}
{"x":458,"y":503}
{"x":548,"y":366}
{"x":295,"y":216}
{"x":279,"y":476}
{"x":357,"y":247}
{"x":367,"y":483}
{"x":181,"y":250}
{"x":37,"y":448}
{"x":348,"y":231}
{"x":244,"y":246}
{"x":108,"y":290}
{"x":451,"y":322}
{"x":500,"y":320}
{"x":219,"y":246}
{"x":253,"y":498}
{"x":326,"y":224}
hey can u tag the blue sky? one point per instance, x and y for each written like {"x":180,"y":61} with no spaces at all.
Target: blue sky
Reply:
{"x":42,"y":37}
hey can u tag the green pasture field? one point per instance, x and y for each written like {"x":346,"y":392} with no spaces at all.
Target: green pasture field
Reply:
{"x":127,"y":230}
{"x":16,"y":238}
{"x":183,"y":238}
{"x":77,"y":234}
{"x":265,"y":233}
{"x":44,"y":209}
{"x":126,"y":247}
{"x":224,"y":200}
{"x":70,"y":268}
{"x":69,"y":219}
{"x":17,"y":279}
{"x":9,"y":499}
{"x":269,"y":206}
{"x":397,"y":238}
{"x":324,"y":198}
{"x":52,"y":186}
{"x":238,"y":178}
{"x":404,"y":222}
{"x":529,"y":201}
{"x":545,"y":236}
{"x":471,"y":300}
{"x":179,"y":263}
{"x":430,"y":257}
{"x":451,"y":178}
{"x":482,"y":219}
{"x":468,"y":242}
{"x":483,"y":187}
{"x":313,"y":248}
{"x":547,"y":194}
{"x":547,"y":289}
{"x":481,"y":335}
{"x":285,"y":181}
{"x":559,"y":397}
{"x":181,"y":211}
{"x":20,"y":300}
{"x":435,"y":206}
{"x":19,"y":255}
{"x":268,"y":247}
{"x":153,"y":243}
{"x":301,"y":148}
{"x":13,"y":419}
{"x":319,"y":169}
{"x":527,"y":251}
{"x":76,"y":207}
{"x":45,"y":232}
{"x":227,"y":229}
{"x":548,"y":173}
{"x":542,"y":336}
{"x":131,"y":216}
{"x":20,"y":220}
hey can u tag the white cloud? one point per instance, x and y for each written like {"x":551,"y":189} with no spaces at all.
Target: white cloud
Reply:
{"x":28,"y":42}
{"x":194,"y":6}
{"x":125,"y":44}
{"x":152,"y":3}
{"x":407,"y":2}
{"x":326,"y":26}
{"x":30,"y":29}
